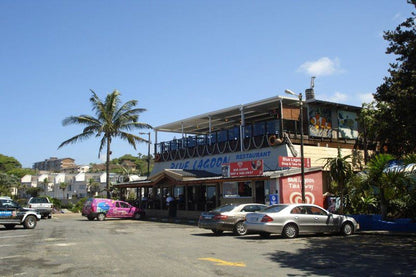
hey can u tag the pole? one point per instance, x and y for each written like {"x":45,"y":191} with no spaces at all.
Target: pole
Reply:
{"x":148,"y":156}
{"x":302,"y":162}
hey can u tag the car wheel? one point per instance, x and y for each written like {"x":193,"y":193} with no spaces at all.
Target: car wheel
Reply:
{"x":9,"y":226}
{"x":347,"y":229}
{"x":290,"y":231}
{"x":49,"y":216}
{"x":217,"y":232}
{"x":100,"y":217}
{"x":264,"y":235}
{"x":240,"y":229}
{"x":138,"y":216}
{"x":30,"y":222}
{"x":90,"y":218}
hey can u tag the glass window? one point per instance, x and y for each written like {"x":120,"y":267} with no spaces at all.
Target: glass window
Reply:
{"x":259,"y":129}
{"x":222,"y":136}
{"x":230,"y":189}
{"x":237,"y":189}
{"x":248,"y":131}
{"x":244,"y":189}
{"x":274,"y":208}
{"x":190,"y":141}
{"x":225,"y":208}
{"x":212,"y":138}
{"x":316,"y":211}
{"x":234,"y":133}
{"x":273,"y":127}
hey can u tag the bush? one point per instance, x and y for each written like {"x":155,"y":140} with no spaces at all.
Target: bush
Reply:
{"x":56,"y":203}
{"x":78,"y":206}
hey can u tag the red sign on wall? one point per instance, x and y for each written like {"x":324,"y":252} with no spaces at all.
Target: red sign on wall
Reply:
{"x":291,"y":189}
{"x":294,"y":162}
{"x":245,"y":168}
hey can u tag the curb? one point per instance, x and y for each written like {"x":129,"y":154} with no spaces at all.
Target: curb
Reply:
{"x":173,"y":220}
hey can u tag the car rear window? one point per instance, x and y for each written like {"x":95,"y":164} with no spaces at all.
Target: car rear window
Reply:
{"x":274,"y":209}
{"x":39,"y":200}
{"x":225,"y":208}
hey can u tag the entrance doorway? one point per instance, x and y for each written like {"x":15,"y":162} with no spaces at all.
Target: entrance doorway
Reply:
{"x":260,"y":198}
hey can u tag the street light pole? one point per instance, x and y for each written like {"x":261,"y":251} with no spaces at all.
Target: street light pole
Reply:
{"x":148,"y":160}
{"x":302,"y":159}
{"x":148,"y":152}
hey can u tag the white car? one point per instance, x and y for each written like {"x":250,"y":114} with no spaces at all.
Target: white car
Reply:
{"x":290,"y":220}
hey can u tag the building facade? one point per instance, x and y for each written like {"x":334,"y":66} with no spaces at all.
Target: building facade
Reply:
{"x":56,"y":165}
{"x":218,"y":155}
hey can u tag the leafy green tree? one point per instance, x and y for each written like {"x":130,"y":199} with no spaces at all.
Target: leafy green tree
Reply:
{"x":34,"y":191}
{"x":112,"y":120}
{"x":396,"y":97}
{"x":340,"y":171}
{"x":20,"y":172}
{"x":8,"y":181}
{"x":8,"y":163}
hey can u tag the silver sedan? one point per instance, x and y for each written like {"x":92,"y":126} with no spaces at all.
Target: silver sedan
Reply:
{"x":228,"y":217}
{"x":290,"y":220}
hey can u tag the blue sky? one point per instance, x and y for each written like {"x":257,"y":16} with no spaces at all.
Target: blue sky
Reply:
{"x":178,"y":59}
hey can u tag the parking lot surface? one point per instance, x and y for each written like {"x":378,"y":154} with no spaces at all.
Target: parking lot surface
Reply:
{"x":70,"y":245}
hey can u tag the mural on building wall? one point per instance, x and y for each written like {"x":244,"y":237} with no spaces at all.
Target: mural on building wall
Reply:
{"x":320,"y":122}
{"x":348,"y":127}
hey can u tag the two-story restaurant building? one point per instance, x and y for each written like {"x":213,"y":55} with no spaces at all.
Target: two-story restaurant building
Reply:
{"x":248,"y":153}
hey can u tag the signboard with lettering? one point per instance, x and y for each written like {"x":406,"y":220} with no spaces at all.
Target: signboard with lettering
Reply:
{"x":244,"y":168}
{"x":291,"y":188}
{"x":294,"y":162}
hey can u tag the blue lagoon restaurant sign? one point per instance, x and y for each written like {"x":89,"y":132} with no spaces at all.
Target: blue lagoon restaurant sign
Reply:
{"x":214,"y":163}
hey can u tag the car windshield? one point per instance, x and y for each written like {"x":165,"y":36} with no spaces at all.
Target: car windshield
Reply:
{"x":225,"y":208}
{"x":274,"y":209}
{"x":9,"y":204}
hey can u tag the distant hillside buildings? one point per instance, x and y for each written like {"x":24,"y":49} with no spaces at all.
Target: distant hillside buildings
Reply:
{"x":56,"y":165}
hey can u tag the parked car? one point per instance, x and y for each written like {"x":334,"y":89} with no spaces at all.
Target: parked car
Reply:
{"x":12,"y":214}
{"x":290,"y":220}
{"x":42,"y":205}
{"x":228,"y":217}
{"x":102,"y":208}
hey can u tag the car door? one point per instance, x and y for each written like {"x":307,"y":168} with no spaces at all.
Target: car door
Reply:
{"x":300,"y":215}
{"x":122,"y":209}
{"x":320,"y":219}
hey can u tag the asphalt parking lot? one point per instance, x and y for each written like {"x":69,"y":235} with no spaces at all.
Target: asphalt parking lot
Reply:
{"x":70,"y":245}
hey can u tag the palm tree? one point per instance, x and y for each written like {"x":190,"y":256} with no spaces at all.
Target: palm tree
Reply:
{"x":112,"y":120}
{"x":93,"y":186}
{"x":340,"y":171}
{"x":63,"y":187}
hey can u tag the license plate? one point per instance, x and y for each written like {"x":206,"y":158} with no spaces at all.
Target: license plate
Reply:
{"x":208,"y":216}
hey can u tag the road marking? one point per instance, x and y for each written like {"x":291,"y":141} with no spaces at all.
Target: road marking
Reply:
{"x":11,"y":257}
{"x":7,"y":237}
{"x":223,"y":263}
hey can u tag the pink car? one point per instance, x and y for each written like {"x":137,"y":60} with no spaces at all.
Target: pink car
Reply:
{"x":101,"y":208}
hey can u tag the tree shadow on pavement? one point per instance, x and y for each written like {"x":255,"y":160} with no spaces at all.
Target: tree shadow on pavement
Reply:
{"x":358,"y":255}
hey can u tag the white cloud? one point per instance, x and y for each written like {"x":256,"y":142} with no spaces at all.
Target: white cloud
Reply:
{"x":338,"y":97}
{"x":321,"y":67}
{"x":366,"y":97}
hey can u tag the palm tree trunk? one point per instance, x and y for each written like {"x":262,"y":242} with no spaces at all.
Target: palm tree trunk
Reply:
{"x":107,"y":168}
{"x":383,"y":206}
